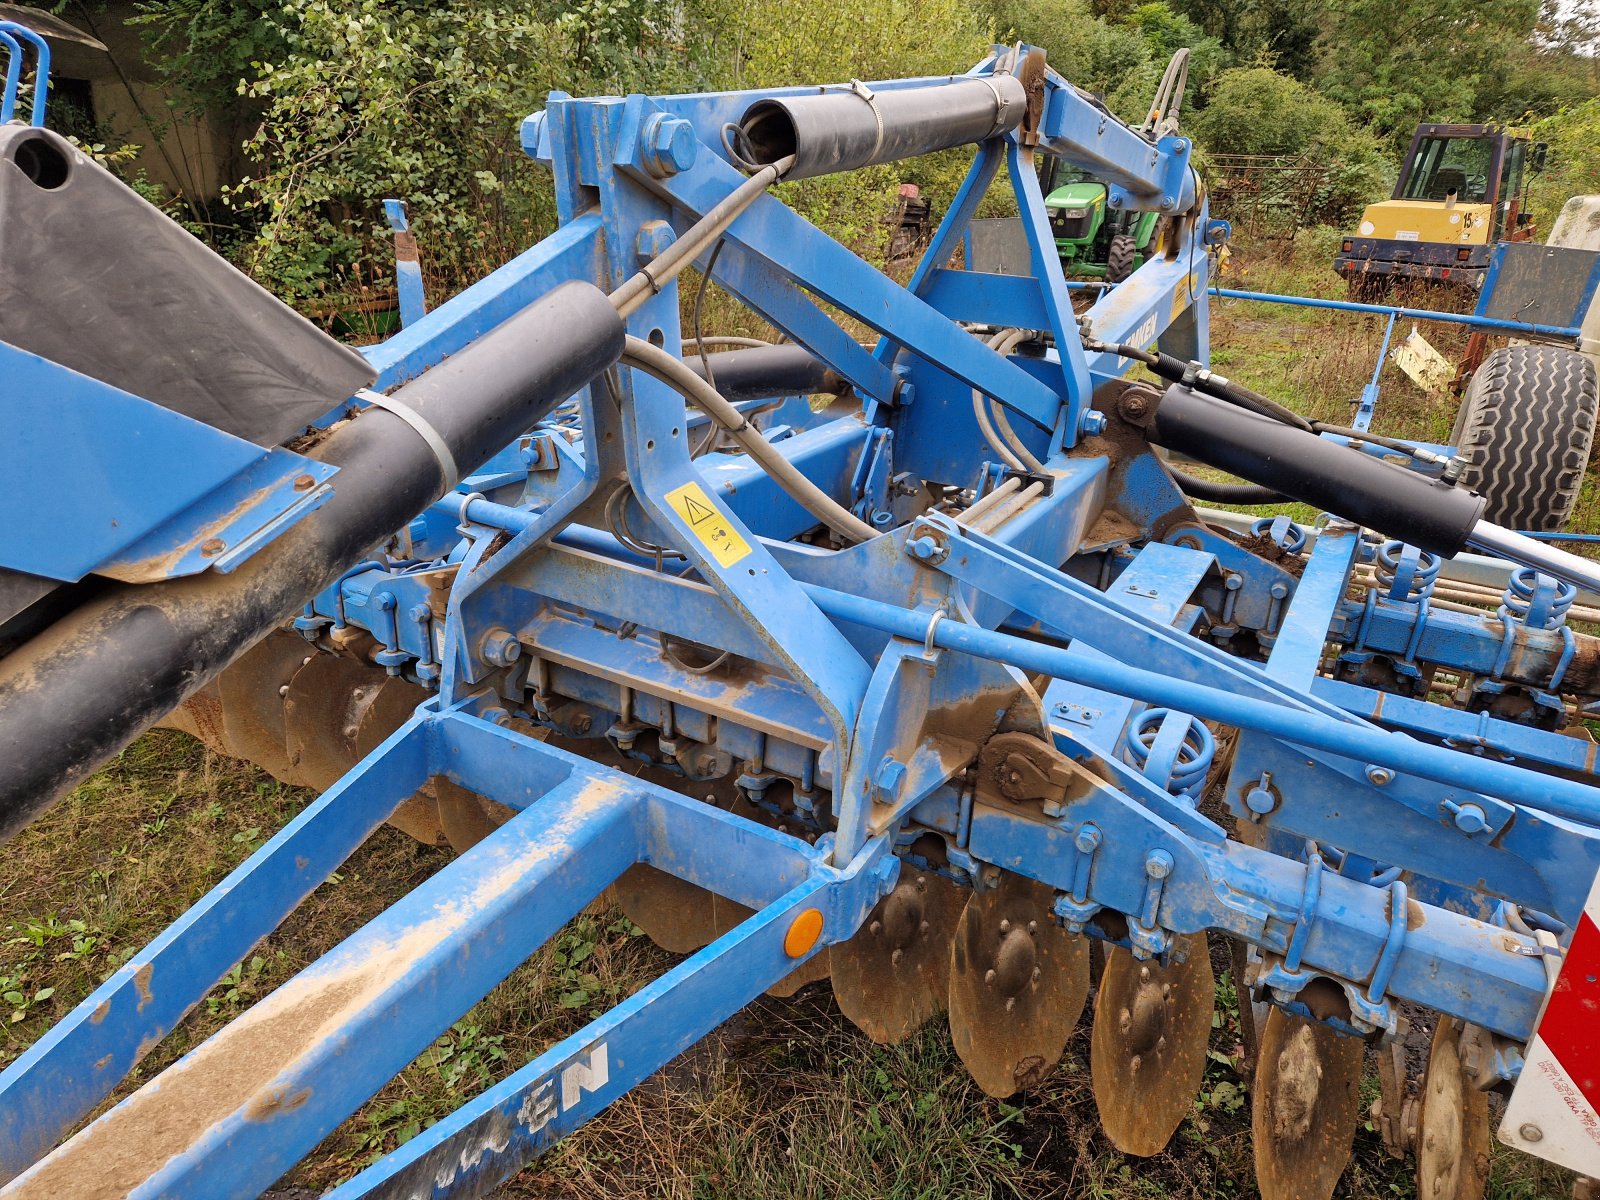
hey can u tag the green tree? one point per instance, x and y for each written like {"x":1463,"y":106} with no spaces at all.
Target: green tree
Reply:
{"x":1256,"y":110}
{"x":1394,"y":63}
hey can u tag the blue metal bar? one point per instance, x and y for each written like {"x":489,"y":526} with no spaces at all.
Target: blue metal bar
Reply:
{"x":306,"y":1056}
{"x":1369,"y":394}
{"x":1142,"y":175}
{"x":1415,"y":314}
{"x":41,"y":68}
{"x":1359,"y":742}
{"x":58,"y":1080}
{"x":485,"y":1141}
{"x":407,"y":264}
{"x":8,"y":99}
{"x":796,"y":248}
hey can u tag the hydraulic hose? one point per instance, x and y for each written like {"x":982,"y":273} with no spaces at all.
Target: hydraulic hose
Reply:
{"x":762,"y":372}
{"x":1224,"y":493}
{"x":676,"y":374}
{"x":670,"y":263}
{"x":1003,"y":439}
{"x":78,"y":692}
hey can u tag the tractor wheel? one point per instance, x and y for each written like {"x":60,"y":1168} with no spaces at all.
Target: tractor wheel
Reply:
{"x":1525,"y":430}
{"x":1119,"y":260}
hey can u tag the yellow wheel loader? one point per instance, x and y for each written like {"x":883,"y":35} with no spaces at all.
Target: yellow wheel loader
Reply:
{"x":1462,"y":189}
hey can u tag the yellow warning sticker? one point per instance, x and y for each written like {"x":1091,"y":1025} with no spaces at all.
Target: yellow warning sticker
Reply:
{"x":1187,"y":293}
{"x":708,"y":524}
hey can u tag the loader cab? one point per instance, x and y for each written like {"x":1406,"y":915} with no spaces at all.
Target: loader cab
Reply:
{"x":1469,"y":165}
{"x":1461,"y":189}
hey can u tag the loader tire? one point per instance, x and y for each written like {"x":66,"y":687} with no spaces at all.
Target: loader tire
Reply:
{"x":1525,"y":430}
{"x":1119,"y":259}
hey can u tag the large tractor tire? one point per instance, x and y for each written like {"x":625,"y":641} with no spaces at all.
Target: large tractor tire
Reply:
{"x":1120,"y":258}
{"x":1525,"y":430}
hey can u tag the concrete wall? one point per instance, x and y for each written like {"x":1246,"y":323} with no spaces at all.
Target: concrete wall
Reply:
{"x":191,"y":158}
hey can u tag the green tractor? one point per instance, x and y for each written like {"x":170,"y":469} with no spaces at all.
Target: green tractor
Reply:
{"x":1090,"y":241}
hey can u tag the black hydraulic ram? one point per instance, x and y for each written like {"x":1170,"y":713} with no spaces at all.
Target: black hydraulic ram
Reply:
{"x":86,"y":686}
{"x":842,"y":128}
{"x":1379,"y":495}
{"x":765,"y":372}
{"x":1301,"y":465}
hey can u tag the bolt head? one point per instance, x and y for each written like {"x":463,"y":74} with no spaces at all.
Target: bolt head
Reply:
{"x":304,"y":483}
{"x":1094,"y":423}
{"x":670,"y":145}
{"x":212,"y":547}
{"x":1158,"y":864}
{"x":1088,"y":839}
{"x":1379,"y":776}
{"x":889,"y":775}
{"x":501,"y":648}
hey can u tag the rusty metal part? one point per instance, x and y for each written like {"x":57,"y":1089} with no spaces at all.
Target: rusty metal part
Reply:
{"x":1452,"y":1124}
{"x":1394,"y":1112}
{"x":677,"y":916}
{"x":252,"y":692}
{"x":1017,"y":985}
{"x":894,"y":974}
{"x":323,"y":711}
{"x":1148,"y":1053}
{"x":200,"y":716}
{"x":1304,"y":1107}
{"x":1021,"y":767}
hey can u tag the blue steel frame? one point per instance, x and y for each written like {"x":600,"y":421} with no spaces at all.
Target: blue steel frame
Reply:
{"x":868,"y":678}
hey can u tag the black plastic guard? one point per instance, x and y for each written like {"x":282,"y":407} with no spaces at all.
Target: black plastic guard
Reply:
{"x":97,"y":279}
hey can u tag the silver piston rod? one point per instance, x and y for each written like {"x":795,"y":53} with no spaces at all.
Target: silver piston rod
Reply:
{"x":1582,"y":573}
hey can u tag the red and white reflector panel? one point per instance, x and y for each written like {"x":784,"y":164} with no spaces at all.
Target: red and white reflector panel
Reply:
{"x":1554,"y":1111}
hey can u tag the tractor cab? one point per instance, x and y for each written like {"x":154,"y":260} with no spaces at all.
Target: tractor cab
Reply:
{"x":1462,"y":188}
{"x":1088,"y":240}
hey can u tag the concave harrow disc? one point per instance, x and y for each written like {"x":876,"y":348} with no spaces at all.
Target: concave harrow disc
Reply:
{"x":1306,"y":1101}
{"x":323,"y":710}
{"x":1453,"y":1125}
{"x":1148,"y":1054}
{"x":681,"y":917}
{"x":252,"y":691}
{"x":1018,"y":982}
{"x":894,"y":974}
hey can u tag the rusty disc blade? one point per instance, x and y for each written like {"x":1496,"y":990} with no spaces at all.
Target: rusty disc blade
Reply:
{"x":1017,"y":985}
{"x":253,"y":691}
{"x":1304,"y":1106}
{"x":894,"y":974}
{"x":1148,"y":1053}
{"x":322,"y":716}
{"x":200,"y":716}
{"x":678,"y":916}
{"x":1452,"y":1125}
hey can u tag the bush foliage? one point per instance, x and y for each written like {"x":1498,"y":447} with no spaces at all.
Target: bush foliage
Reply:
{"x":346,"y":102}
